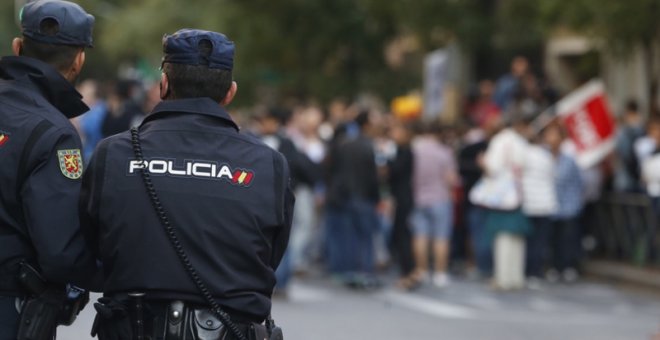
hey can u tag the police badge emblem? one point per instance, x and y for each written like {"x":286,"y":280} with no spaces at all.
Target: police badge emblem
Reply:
{"x":70,"y":163}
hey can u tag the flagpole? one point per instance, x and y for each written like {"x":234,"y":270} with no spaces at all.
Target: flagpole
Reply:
{"x":545,"y":118}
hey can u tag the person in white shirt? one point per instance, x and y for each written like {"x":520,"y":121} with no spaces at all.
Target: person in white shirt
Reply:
{"x":539,"y":205}
{"x":505,"y":159}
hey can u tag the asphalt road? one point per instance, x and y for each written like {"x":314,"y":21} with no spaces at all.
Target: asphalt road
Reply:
{"x":318,"y":309}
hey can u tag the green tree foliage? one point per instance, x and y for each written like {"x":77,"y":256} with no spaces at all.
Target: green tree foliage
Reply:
{"x":619,"y":24}
{"x":8,"y":27}
{"x":305,"y":48}
{"x":326,"y":48}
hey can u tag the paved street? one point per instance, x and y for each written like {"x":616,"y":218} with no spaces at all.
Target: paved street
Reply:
{"x":321,"y":310}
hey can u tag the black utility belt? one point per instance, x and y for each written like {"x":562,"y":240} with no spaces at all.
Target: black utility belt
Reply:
{"x":130,"y":317}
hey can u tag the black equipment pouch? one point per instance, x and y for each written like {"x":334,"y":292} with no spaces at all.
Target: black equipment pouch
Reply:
{"x":112,"y":321}
{"x":75,"y":301}
{"x":274,"y":332}
{"x":258,"y":332}
{"x":185,"y":322}
{"x":177,"y":320}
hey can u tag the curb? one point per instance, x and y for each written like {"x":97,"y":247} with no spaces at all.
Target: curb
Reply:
{"x":625,"y":273}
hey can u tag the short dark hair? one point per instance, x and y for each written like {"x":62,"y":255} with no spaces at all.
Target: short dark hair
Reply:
{"x":194,"y":81}
{"x":59,"y":56}
{"x":632,"y":105}
{"x":362,"y":119}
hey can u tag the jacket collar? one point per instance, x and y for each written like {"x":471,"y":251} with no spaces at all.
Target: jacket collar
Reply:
{"x":50,"y":83}
{"x":202,"y":106}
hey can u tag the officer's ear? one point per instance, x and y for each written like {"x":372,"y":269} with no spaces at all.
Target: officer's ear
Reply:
{"x":230,"y":94}
{"x":78,"y":63}
{"x":76,"y":67}
{"x":17,"y":46}
{"x":164,"y":86}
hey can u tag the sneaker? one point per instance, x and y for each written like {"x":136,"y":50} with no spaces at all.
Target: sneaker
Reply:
{"x":441,"y":280}
{"x":570,"y":275}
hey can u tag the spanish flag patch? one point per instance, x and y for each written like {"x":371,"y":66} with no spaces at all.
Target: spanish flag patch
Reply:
{"x":242,"y":177}
{"x":4,"y":138}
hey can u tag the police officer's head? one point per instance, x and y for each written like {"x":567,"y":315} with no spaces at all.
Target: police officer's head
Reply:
{"x":55,"y":32}
{"x":198,"y":64}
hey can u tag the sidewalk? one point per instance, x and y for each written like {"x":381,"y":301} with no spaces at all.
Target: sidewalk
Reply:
{"x":619,"y":272}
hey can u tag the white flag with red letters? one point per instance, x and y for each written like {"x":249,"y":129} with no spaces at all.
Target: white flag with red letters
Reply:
{"x":589,"y":122}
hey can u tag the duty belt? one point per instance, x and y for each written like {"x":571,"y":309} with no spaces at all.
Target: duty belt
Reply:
{"x":129,"y":316}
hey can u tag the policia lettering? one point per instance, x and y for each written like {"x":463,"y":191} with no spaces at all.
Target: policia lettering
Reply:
{"x":192,"y":169}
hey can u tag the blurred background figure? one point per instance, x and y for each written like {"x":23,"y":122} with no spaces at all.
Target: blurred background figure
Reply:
{"x":303,"y":172}
{"x":352,"y":198}
{"x":631,"y":129}
{"x":90,"y":124}
{"x":305,"y":237}
{"x":539,"y":205}
{"x":484,"y":107}
{"x":651,"y":165}
{"x":650,"y":168}
{"x":510,"y":84}
{"x":400,"y":174}
{"x":570,"y":190}
{"x":434,"y":177}
{"x":505,"y":160}
{"x":125,"y":108}
{"x":471,"y":165}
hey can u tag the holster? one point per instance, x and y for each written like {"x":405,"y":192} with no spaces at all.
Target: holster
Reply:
{"x":46,"y":306}
{"x":39,"y":317}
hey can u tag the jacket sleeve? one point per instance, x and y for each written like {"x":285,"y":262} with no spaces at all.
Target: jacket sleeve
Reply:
{"x":287,"y":199}
{"x":49,"y":197}
{"x":90,"y":193}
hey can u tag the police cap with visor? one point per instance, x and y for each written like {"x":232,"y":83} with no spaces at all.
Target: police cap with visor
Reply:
{"x":75,"y":25}
{"x":182,"y":47}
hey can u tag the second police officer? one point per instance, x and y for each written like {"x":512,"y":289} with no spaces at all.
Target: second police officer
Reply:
{"x":188,"y":209}
{"x":41,"y":246}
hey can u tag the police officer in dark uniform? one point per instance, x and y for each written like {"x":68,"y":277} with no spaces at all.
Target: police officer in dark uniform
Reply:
{"x":41,"y":168}
{"x":226,"y":196}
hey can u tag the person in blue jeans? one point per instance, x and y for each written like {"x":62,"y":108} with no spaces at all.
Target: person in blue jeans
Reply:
{"x":482,"y":247}
{"x":352,"y":200}
{"x":470,"y":168}
{"x":570,"y":196}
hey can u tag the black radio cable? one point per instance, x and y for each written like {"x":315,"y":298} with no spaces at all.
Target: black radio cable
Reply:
{"x":174,"y":240}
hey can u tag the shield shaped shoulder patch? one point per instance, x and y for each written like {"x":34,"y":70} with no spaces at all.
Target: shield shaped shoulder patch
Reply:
{"x":71,"y":163}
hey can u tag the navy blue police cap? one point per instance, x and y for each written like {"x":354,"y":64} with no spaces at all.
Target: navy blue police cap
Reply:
{"x":75,"y":25}
{"x":182,"y":47}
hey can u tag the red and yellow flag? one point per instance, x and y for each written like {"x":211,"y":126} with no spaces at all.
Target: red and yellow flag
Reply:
{"x":242,"y":177}
{"x":3,"y":139}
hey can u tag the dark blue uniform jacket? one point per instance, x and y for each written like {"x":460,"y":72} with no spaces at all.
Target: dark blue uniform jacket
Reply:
{"x":38,"y":192}
{"x":227,"y":194}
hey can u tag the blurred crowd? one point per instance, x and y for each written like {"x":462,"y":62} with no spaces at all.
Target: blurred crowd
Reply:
{"x":377,"y":193}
